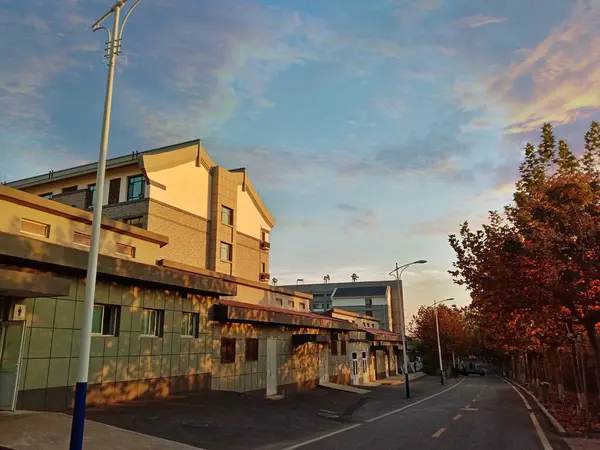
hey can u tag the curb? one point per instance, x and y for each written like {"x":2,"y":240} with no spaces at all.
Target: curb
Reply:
{"x":555,"y":423}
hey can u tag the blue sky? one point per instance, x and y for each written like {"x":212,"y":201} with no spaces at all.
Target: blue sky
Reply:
{"x":371,"y":129}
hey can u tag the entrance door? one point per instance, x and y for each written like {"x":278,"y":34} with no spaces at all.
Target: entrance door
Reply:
{"x":354,"y":368}
{"x":271,"y":367}
{"x":365,"y":367}
{"x":324,"y":365}
{"x":11,"y":347}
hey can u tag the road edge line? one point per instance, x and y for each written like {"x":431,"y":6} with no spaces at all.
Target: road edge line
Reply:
{"x":545,"y":442}
{"x":320,"y":438}
{"x":555,"y":423}
{"x":527,"y":405}
{"x":414,"y":403}
{"x":342,"y":430}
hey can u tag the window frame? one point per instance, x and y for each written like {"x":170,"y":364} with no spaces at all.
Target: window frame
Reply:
{"x":230,"y":251}
{"x":123,"y":254}
{"x":47,"y":195}
{"x":302,"y":306}
{"x":343,"y":348}
{"x":132,"y":181}
{"x":79,"y":233}
{"x":230,"y":215}
{"x":369,"y":302}
{"x":224,"y":357}
{"x":252,"y":350}
{"x":45,"y":234}
{"x":193,"y":325}
{"x":158,"y":323}
{"x":291,"y":304}
{"x":92,"y":188}
{"x":113,"y":320}
{"x":279,"y":301}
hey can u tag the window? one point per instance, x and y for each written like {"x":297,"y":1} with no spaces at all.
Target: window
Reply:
{"x":114,"y":191}
{"x":302,"y":305}
{"x":369,"y":313}
{"x":35,"y":228}
{"x":136,"y":185}
{"x":251,"y":349}
{"x":343,"y":348}
{"x":47,"y":195}
{"x":125,"y":250}
{"x":364,"y":362}
{"x":368,"y":302}
{"x":135,"y":221}
{"x":264,"y":235}
{"x":91,"y":197}
{"x":190,"y":324}
{"x":105,"y":320}
{"x":291,"y":304}
{"x":226,"y":215}
{"x":152,"y":322}
{"x":226,"y":251}
{"x":227,"y":350}
{"x":69,"y":189}
{"x":279,"y":301}
{"x":263,"y":268}
{"x":82,"y":238}
{"x":334,"y":348}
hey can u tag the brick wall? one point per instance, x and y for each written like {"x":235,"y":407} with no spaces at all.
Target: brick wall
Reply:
{"x":76,"y":199}
{"x":135,"y":208}
{"x":187,"y":234}
{"x":249,"y":257}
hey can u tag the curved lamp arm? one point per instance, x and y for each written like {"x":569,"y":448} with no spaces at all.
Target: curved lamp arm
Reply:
{"x":127,"y":17}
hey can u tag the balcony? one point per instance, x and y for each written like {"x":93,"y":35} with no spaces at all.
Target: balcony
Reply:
{"x":264,"y":276}
{"x":264,"y":245}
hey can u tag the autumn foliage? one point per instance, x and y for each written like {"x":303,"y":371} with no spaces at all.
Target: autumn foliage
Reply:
{"x":533,"y":270}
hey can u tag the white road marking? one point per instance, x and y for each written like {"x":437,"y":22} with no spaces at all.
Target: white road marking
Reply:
{"x":415,"y":403}
{"x":518,"y":392}
{"x":540,"y":432}
{"x":439,"y":432}
{"x":456,"y":417}
{"x":325,"y":436}
{"x":468,"y":408}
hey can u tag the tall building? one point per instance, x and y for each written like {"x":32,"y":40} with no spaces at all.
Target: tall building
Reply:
{"x":214,"y":217}
{"x":378,"y":299}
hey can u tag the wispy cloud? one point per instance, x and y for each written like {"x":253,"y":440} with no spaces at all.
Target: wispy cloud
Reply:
{"x":346,"y":207}
{"x":557,"y":81}
{"x":478,"y":20}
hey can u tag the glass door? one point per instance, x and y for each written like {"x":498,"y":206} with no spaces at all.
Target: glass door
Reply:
{"x":11,"y":348}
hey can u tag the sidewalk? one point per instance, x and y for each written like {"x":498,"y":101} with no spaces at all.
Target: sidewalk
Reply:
{"x":583,"y":444}
{"x":395,"y":380}
{"x":49,"y":431}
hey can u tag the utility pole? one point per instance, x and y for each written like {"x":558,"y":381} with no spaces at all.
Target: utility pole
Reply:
{"x":437,"y":329}
{"x":113,"y":49}
{"x":398,"y":274}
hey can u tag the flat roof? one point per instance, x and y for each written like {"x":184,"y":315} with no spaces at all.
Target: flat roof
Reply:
{"x":348,"y":313}
{"x":361,"y":291}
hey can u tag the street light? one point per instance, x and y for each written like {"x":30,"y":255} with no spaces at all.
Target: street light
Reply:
{"x":437,"y":329}
{"x":398,"y":274}
{"x":113,"y":49}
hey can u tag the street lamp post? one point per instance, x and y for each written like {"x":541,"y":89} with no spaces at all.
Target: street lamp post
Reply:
{"x":113,"y":49}
{"x":397,"y":272}
{"x":437,"y":329}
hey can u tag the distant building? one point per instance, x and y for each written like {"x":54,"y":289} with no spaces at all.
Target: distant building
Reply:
{"x":378,"y":299}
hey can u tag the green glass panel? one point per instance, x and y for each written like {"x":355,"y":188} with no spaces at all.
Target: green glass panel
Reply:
{"x":97,"y":319}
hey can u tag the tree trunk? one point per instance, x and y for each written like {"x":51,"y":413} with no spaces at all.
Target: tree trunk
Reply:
{"x":575,"y":364}
{"x":559,"y":376}
{"x":590,"y":328}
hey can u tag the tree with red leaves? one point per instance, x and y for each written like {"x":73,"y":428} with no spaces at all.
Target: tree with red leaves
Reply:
{"x":536,"y":268}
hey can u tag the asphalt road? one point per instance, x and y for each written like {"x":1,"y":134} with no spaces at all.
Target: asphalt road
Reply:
{"x":475,"y":413}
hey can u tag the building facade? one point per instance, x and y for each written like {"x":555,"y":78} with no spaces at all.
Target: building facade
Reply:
{"x":158,"y":328}
{"x":213,"y":217}
{"x":379,"y":299}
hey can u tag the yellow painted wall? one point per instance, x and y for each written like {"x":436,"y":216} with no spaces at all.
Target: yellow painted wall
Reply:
{"x":62,"y":229}
{"x":187,"y":188}
{"x":249,"y":220}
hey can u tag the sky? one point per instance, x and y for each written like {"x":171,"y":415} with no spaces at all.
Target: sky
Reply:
{"x":371,"y":129}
